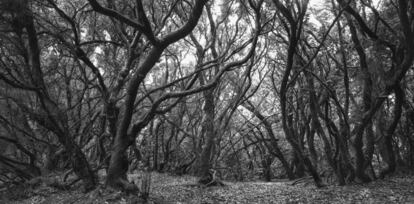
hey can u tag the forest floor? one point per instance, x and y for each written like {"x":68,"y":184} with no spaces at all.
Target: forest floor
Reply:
{"x":174,"y":189}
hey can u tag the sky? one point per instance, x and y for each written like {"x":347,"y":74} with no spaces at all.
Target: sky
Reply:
{"x":318,"y":4}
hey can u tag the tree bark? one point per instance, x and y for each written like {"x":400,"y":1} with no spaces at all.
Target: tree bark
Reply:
{"x":387,"y":140}
{"x":209,"y":134}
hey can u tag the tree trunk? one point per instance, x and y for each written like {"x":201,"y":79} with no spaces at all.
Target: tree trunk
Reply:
{"x":390,"y":154}
{"x":82,"y":168}
{"x":316,"y":125}
{"x":361,"y":160}
{"x":209,"y":133}
{"x":274,"y":147}
{"x":267,"y":163}
{"x":118,"y":168}
{"x":55,"y":119}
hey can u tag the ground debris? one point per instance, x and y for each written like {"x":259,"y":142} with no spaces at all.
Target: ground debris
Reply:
{"x":172,"y":189}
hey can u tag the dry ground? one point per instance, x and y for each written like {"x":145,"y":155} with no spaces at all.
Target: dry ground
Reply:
{"x":172,"y":189}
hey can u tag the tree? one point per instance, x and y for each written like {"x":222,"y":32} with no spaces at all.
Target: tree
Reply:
{"x":46,"y":112}
{"x":237,"y":88}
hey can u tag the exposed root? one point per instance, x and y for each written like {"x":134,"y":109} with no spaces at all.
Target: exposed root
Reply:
{"x":211,"y":179}
{"x":125,"y":186}
{"x":301,"y":180}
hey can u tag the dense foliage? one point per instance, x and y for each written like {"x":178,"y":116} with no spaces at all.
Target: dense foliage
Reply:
{"x":224,"y":89}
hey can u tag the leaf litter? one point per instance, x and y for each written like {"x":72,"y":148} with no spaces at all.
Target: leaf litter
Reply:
{"x":167,"y":188}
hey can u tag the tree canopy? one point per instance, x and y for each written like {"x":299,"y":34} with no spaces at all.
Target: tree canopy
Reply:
{"x":220,"y":89}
